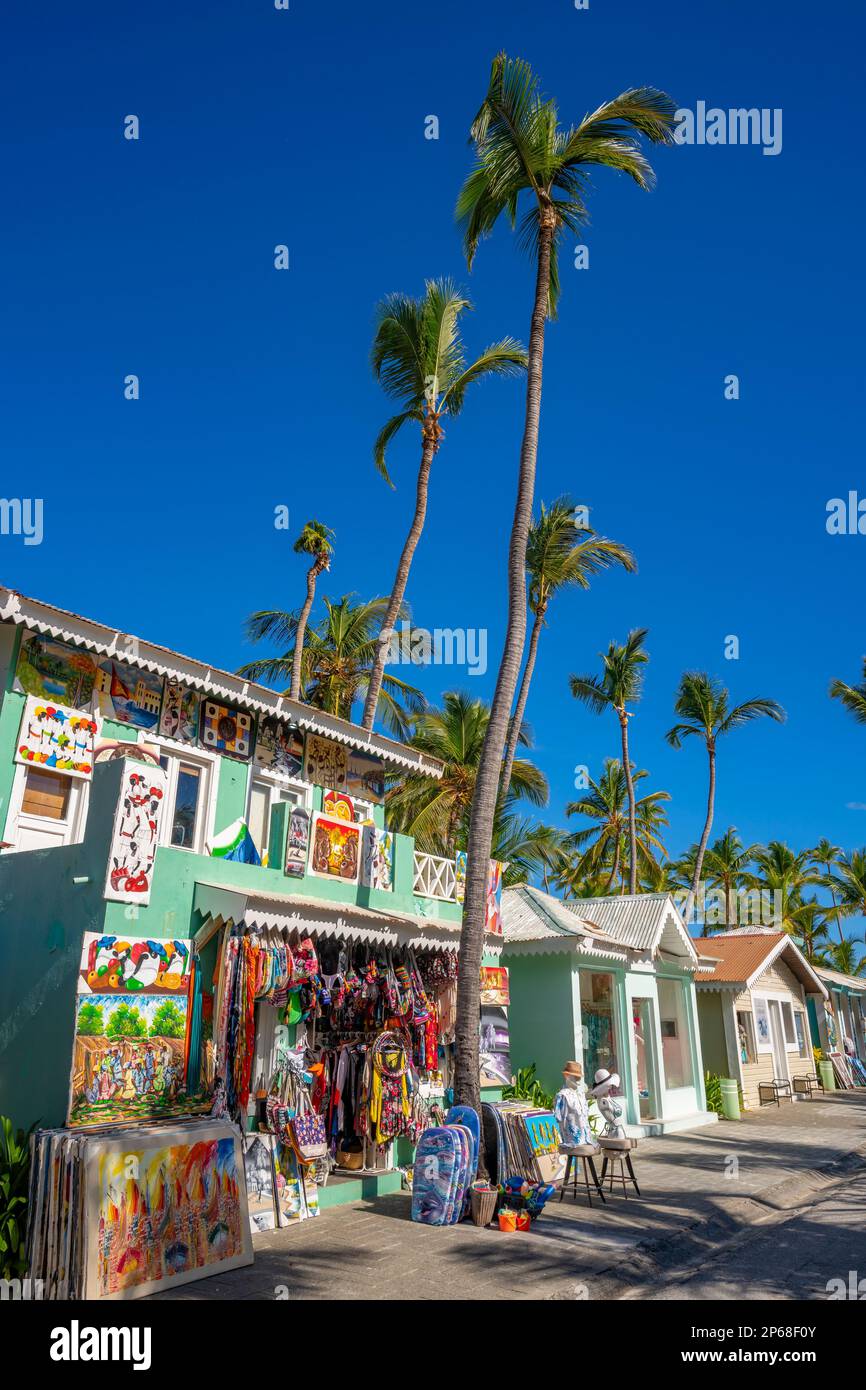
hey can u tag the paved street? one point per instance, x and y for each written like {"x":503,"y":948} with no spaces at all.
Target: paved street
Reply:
{"x":801,"y":1167}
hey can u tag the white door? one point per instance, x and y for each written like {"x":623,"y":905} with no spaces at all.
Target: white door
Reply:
{"x":777,"y":1032}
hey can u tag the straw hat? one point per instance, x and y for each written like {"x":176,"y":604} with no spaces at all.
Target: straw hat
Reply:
{"x":604,"y":1081}
{"x":572,"y":1069}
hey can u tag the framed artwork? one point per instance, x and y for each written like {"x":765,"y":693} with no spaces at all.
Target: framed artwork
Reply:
{"x":378,"y":864}
{"x":128,"y":695}
{"x":163,"y":1207}
{"x":55,"y":671}
{"x":762,"y":1024}
{"x":297,"y":843}
{"x":56,"y":738}
{"x":493,"y":921}
{"x":279,"y":746}
{"x":261,"y":1180}
{"x":134,"y":840}
{"x":494,"y":985}
{"x":336,"y":851}
{"x":179,"y":717}
{"x":325,"y":762}
{"x":365,"y":777}
{"x":494,"y":1047}
{"x":223,"y":729}
{"x":460,"y":876}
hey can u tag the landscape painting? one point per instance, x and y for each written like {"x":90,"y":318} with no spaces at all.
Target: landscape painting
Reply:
{"x":55,"y":671}
{"x":128,"y":695}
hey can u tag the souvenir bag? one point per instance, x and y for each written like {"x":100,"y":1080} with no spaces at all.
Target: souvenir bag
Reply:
{"x":308,"y":1133}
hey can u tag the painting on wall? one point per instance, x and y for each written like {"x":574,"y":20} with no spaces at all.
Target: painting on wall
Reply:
{"x":132,"y":1023}
{"x":365,"y":777}
{"x":279,"y":746}
{"x":297,"y":843}
{"x":128,"y":695}
{"x":261,"y":1180}
{"x":325,"y":762}
{"x":493,"y":922}
{"x":336,"y":848}
{"x":179,"y":717}
{"x":494,"y":985}
{"x":164,"y":1207}
{"x":297,"y":1193}
{"x":56,"y":738}
{"x":762,"y":1022}
{"x":494,"y":1047}
{"x":223,"y":729}
{"x":135,"y":837}
{"x":460,"y":876}
{"x":378,"y":862}
{"x":55,"y":671}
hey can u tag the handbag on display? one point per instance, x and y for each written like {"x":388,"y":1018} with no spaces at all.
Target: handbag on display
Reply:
{"x":308,"y":1133}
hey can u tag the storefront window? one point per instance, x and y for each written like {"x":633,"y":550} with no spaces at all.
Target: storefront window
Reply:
{"x":597,"y":1017}
{"x":800,"y":1025}
{"x":676,"y":1049}
{"x":746,"y":1037}
{"x":788,"y":1022}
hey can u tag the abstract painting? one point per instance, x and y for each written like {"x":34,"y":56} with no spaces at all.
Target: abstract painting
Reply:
{"x":56,"y":738}
{"x":325,"y":762}
{"x":179,"y":718}
{"x":128,"y":695}
{"x":223,"y":729}
{"x":279,"y":746}
{"x":164,"y":1207}
{"x":336,"y":848}
{"x":55,"y":671}
{"x":378,"y":869}
{"x":135,"y":836}
{"x":365,"y":777}
{"x":297,"y":843}
{"x":261,"y":1179}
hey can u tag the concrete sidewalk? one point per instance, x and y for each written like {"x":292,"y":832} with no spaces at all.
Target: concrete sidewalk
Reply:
{"x":699,"y":1189}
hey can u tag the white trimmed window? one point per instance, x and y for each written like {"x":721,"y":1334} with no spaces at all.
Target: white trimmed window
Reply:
{"x":45,"y":809}
{"x":264,"y":794}
{"x":187,"y":815}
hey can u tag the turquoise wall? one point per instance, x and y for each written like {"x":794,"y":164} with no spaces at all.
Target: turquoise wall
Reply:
{"x":541,"y":1022}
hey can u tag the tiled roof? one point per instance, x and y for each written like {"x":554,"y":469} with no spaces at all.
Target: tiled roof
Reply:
{"x":739,"y":957}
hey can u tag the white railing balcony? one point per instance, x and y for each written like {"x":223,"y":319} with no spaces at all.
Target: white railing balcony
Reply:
{"x":435,"y":877}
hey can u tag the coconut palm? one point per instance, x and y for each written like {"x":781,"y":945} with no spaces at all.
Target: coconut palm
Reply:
{"x":782,"y":871}
{"x":807,"y":922}
{"x":846,"y":957}
{"x":419,"y":360}
{"x":521,"y":151}
{"x":336,"y":661}
{"x":825,"y":856}
{"x":316,"y":540}
{"x":527,"y":848}
{"x":702,"y":703}
{"x":602,"y":847}
{"x":437,"y":812}
{"x":560,"y":553}
{"x":619,"y":685}
{"x":853,"y":697}
{"x":726,"y":867}
{"x":849,"y":885}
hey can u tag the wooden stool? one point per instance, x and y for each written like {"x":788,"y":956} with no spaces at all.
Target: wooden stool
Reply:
{"x":580,"y":1153}
{"x":617,"y":1153}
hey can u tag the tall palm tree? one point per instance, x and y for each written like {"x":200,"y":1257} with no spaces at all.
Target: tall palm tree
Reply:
{"x":786,"y":872}
{"x":825,"y":856}
{"x":620,"y":685}
{"x":603,"y":846}
{"x":850,"y":884}
{"x":807,"y":923}
{"x":853,"y":697}
{"x":846,"y":957}
{"x":419,"y":360}
{"x":437,"y":813}
{"x":336,"y":660}
{"x":316,"y":540}
{"x":702,"y":703}
{"x":726,"y":867}
{"x":559,"y":553}
{"x":527,"y":848}
{"x":522,"y":151}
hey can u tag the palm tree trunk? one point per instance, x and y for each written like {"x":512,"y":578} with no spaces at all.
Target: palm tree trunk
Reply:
{"x":615,"y":870}
{"x":402,"y":576}
{"x":708,"y":824}
{"x":312,"y":574}
{"x":519,"y":709}
{"x":467,"y":1087}
{"x":632,"y":824}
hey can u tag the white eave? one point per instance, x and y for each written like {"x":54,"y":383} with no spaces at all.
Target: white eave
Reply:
{"x":48,"y":620}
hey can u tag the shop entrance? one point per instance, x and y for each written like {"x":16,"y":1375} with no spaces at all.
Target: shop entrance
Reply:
{"x":780,"y":1056}
{"x":643,"y":1024}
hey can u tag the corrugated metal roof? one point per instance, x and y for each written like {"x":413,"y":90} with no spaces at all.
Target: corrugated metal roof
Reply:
{"x":530,"y":915}
{"x":836,"y":977}
{"x":635,"y":920}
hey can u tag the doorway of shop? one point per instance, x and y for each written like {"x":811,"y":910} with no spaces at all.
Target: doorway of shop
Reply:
{"x":643,"y":1024}
{"x":780,"y":1055}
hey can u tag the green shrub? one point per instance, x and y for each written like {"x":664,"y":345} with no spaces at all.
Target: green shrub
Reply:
{"x":14,"y":1179}
{"x":713,"y":1086}
{"x":527,"y":1087}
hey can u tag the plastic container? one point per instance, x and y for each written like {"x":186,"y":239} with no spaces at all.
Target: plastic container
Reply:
{"x":730,"y":1098}
{"x":828,"y":1076}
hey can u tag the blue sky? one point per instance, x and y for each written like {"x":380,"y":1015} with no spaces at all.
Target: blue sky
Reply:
{"x":306,"y":127}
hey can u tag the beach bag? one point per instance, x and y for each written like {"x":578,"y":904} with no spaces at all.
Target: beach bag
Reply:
{"x":308,"y":1133}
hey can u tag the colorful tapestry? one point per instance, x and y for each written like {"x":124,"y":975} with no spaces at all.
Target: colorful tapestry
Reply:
{"x":365,"y":777}
{"x":179,"y":718}
{"x":132,"y":1025}
{"x":164,"y":1207}
{"x":128,"y":695}
{"x":493,"y":922}
{"x":378,"y":866}
{"x":297,"y":842}
{"x":336,"y":849}
{"x":460,"y":876}
{"x":279,"y":746}
{"x":325,"y":762}
{"x":261,"y":1180}
{"x":223,"y":729}
{"x":55,"y":671}
{"x":494,"y":985}
{"x":134,"y":841}
{"x":56,"y":738}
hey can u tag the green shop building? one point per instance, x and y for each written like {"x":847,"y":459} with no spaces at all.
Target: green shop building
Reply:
{"x":608,"y":982}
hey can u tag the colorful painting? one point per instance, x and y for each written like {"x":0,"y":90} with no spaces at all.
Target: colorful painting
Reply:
{"x":338,"y":805}
{"x":279,"y":746}
{"x":297,"y":842}
{"x":261,"y":1179}
{"x":762,"y":1023}
{"x":336,"y":848}
{"x":493,"y":921}
{"x":56,"y":738}
{"x":460,"y":876}
{"x":164,"y":1207}
{"x":494,"y":1046}
{"x":365,"y":777}
{"x":128,"y":695}
{"x":494,"y":985}
{"x":55,"y":671}
{"x":179,"y":717}
{"x":223,"y":729}
{"x":297,"y":1193}
{"x":378,"y":866}
{"x":134,"y":841}
{"x":325,"y":762}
